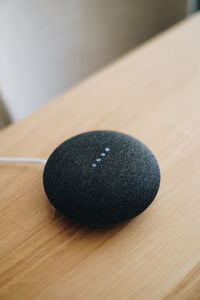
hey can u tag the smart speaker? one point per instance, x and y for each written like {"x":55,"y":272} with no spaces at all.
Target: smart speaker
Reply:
{"x":101,"y":178}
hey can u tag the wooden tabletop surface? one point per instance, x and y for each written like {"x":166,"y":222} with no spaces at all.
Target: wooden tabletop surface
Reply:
{"x":153,"y":94}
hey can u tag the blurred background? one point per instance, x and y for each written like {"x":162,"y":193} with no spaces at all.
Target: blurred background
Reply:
{"x":48,"y":46}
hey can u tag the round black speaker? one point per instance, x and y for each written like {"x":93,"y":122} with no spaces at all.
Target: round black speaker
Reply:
{"x":101,"y":177}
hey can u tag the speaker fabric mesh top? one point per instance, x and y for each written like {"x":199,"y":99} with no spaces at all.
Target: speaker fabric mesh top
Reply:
{"x":101,"y":177}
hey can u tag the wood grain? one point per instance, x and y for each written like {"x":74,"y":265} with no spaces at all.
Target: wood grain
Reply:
{"x":154,"y":95}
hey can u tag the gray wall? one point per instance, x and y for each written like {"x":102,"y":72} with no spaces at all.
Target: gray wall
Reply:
{"x":48,"y":46}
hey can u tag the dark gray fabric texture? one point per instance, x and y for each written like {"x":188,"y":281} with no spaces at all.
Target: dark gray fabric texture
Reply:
{"x":101,"y":177}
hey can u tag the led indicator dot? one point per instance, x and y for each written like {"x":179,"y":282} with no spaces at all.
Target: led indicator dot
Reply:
{"x":98,"y":159}
{"x":107,"y":149}
{"x":103,"y":154}
{"x":94,"y":165}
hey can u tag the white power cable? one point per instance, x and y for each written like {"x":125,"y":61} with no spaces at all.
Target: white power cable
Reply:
{"x":23,"y":160}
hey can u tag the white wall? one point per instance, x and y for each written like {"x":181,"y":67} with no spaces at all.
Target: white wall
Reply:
{"x":46,"y":46}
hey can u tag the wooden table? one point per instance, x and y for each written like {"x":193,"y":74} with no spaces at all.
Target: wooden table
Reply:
{"x":154,"y":95}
